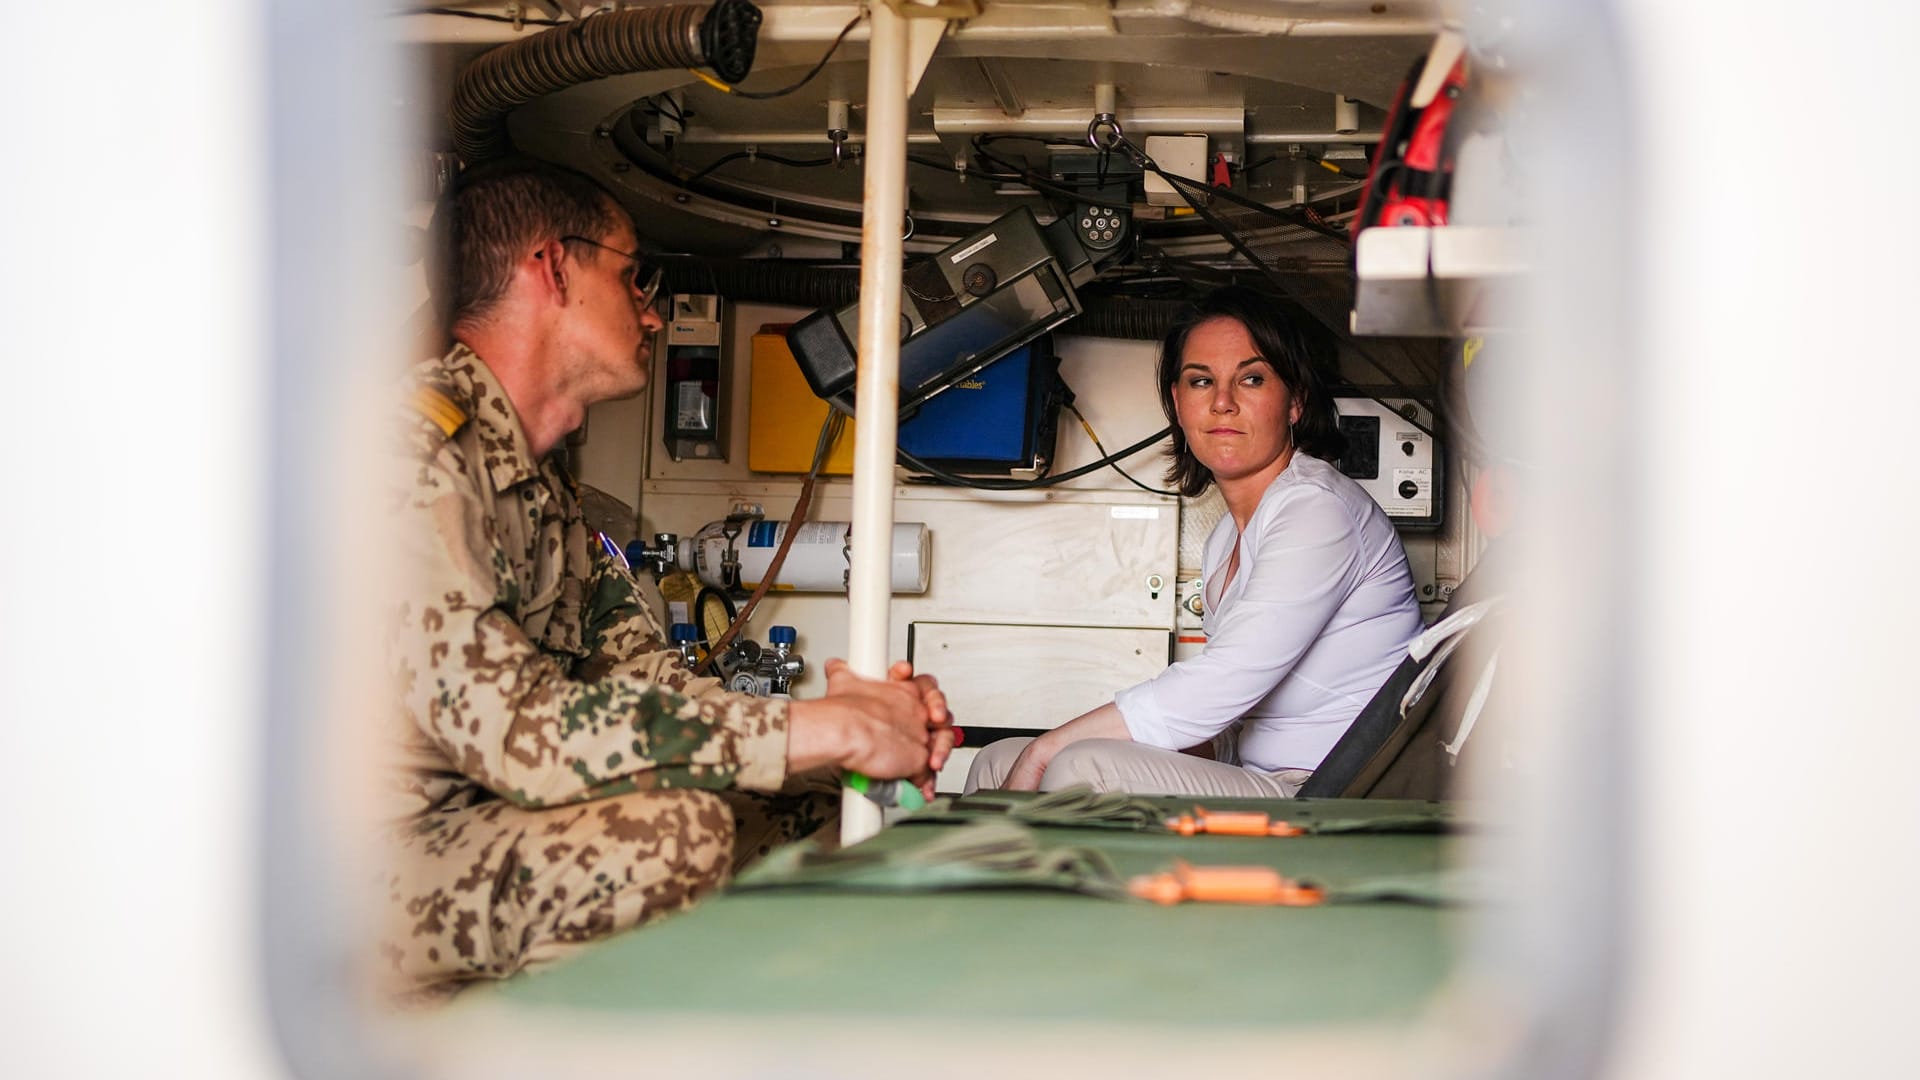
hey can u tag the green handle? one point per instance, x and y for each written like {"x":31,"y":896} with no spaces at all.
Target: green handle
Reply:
{"x":887,"y":792}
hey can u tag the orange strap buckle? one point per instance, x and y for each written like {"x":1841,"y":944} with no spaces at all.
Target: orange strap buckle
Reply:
{"x":1231,"y":823}
{"x":1224,"y":885}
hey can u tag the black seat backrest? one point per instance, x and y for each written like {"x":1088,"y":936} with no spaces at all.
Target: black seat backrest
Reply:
{"x":1385,"y":755}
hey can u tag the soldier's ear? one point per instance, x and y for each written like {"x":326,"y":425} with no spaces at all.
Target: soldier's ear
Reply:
{"x":552,"y":275}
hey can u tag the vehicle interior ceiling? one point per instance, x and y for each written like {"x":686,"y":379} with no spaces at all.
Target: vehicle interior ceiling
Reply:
{"x":1291,"y":99}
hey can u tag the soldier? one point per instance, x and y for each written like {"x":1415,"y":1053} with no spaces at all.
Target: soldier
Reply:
{"x":563,"y":774}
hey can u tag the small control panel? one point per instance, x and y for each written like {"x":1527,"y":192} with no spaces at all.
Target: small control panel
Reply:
{"x":1393,"y":459}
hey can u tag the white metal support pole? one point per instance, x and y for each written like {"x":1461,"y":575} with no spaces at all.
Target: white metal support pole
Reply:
{"x":876,"y":400}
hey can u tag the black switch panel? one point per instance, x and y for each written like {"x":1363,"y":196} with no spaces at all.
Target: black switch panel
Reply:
{"x":1362,"y":459}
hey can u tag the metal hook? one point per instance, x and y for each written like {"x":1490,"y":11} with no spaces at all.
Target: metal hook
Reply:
{"x":1115,"y":137}
{"x":838,"y":137}
{"x":910,"y":227}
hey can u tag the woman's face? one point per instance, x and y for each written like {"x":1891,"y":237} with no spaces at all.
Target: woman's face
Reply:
{"x":1232,"y":407}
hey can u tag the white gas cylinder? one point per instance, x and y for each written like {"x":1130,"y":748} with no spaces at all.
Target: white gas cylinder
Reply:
{"x":818,"y":561}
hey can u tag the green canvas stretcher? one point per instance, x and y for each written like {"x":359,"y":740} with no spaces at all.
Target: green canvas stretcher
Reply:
{"x":1001,"y":853}
{"x":1028,"y":955}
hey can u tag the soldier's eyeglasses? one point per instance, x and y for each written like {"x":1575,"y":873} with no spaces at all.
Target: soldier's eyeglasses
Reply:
{"x":648,"y":291}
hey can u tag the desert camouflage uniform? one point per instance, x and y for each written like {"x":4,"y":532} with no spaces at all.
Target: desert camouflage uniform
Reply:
{"x":560,"y":769}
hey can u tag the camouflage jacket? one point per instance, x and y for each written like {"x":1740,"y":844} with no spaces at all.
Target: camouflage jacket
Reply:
{"x":528,"y":664}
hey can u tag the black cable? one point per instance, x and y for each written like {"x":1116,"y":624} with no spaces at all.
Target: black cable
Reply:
{"x":1320,"y":160}
{"x":1009,"y":169}
{"x":1075,"y":410}
{"x":484,"y":16}
{"x":728,"y":159}
{"x":944,"y":476}
{"x":1294,"y":217}
{"x":1333,"y":167}
{"x":665,"y":107}
{"x":999,"y":136}
{"x":763,"y":95}
{"x":1018,"y":172}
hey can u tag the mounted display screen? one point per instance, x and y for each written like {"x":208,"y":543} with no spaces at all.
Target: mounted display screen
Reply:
{"x":961,"y":309}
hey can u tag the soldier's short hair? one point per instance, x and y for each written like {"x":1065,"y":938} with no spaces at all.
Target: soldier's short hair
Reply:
{"x":498,"y":211}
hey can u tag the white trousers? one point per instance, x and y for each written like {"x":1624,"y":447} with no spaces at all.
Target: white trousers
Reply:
{"x":1125,"y":765}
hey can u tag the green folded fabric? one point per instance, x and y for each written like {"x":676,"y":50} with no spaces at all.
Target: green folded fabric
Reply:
{"x":978,"y":855}
{"x":1005,"y":854}
{"x":1437,"y":888}
{"x":1437,"y":821}
{"x":1076,"y":807}
{"x":1081,"y":807}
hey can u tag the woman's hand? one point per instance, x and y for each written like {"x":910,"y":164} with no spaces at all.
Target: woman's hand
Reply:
{"x":1032,"y":764}
{"x":1030,"y":767}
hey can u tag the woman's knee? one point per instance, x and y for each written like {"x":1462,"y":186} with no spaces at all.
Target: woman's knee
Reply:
{"x":992,"y":764}
{"x":1088,"y":763}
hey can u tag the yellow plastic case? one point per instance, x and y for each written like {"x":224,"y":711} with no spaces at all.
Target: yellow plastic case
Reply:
{"x":784,"y":416}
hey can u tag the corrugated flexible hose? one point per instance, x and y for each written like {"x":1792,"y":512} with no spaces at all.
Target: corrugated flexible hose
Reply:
{"x":723,"y":36}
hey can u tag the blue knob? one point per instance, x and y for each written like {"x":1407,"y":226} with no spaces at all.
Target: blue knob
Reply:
{"x":636,"y":552}
{"x":782,"y":635}
{"x":683,"y":631}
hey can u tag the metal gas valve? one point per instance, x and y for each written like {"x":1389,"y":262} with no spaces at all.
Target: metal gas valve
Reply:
{"x":763,"y":672}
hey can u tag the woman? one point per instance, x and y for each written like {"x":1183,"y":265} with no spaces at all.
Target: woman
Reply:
{"x":1309,"y":605}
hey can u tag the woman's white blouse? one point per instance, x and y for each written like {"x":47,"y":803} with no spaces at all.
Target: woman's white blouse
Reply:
{"x":1318,"y":615}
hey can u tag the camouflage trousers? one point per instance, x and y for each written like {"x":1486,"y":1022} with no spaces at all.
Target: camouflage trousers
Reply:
{"x":487,"y":890}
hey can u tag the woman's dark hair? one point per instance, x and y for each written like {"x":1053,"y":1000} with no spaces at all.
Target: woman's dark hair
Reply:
{"x":1283,"y":343}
